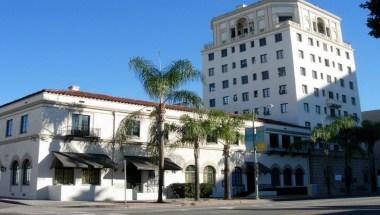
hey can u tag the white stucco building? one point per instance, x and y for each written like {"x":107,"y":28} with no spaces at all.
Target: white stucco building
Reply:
{"x":288,"y":53}
{"x":58,"y":144}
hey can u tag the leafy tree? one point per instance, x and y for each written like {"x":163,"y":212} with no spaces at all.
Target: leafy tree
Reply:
{"x":163,"y":86}
{"x":193,"y":132}
{"x":373,"y":20}
{"x":369,"y":133}
{"x":227,"y":128}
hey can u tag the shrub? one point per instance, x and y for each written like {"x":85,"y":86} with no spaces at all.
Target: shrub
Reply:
{"x":187,"y":190}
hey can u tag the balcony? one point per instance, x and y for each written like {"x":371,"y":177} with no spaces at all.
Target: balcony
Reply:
{"x":331,"y":103}
{"x":84,"y":133}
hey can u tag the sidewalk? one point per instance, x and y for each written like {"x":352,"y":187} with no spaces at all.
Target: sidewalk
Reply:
{"x":170,"y":203}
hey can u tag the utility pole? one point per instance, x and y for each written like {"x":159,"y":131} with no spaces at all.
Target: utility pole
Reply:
{"x":255,"y":157}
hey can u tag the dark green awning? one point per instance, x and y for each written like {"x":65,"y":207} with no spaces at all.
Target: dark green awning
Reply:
{"x":145,"y":163}
{"x":81,"y":160}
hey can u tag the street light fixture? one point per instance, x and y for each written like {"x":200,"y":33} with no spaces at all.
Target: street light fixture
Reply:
{"x":254,"y":117}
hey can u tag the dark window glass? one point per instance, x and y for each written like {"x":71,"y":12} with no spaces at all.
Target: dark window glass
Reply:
{"x":263,"y":41}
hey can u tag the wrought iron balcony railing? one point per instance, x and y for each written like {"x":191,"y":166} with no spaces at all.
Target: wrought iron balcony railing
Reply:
{"x":81,"y":132}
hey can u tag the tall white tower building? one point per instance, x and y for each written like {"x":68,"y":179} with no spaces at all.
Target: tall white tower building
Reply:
{"x":288,"y":53}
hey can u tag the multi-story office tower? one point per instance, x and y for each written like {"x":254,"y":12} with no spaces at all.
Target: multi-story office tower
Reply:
{"x":288,"y":53}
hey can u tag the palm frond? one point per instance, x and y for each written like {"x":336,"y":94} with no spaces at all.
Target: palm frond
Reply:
{"x":123,"y":132}
{"x":179,"y":72}
{"x":185,"y":97}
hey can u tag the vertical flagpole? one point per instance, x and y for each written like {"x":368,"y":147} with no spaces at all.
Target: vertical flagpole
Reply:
{"x":255,"y":157}
{"x":125,"y":181}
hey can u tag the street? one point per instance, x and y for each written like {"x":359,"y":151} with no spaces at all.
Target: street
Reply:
{"x":355,"y":206}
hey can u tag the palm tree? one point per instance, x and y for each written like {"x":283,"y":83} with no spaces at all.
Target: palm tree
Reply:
{"x":323,"y":136}
{"x":226,"y":127}
{"x":163,"y":86}
{"x":194,"y":131}
{"x":344,"y":133}
{"x":370,"y":133}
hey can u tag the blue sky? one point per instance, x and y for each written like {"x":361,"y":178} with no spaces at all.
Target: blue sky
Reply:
{"x":54,"y":44}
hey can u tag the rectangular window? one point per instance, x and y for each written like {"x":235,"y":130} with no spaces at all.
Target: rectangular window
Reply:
{"x":321,"y":75}
{"x":303,"y":71}
{"x":80,"y":125}
{"x":254,"y":76}
{"x":329,"y":80}
{"x":323,"y":93}
{"x":315,"y":74}
{"x":311,"y":42}
{"x":344,"y":98}
{"x":224,"y":68}
{"x":312,"y":58}
{"x":134,"y":129}
{"x":224,"y":53}
{"x":263,"y":58}
{"x":280,"y":54}
{"x":91,"y":176}
{"x":325,"y":47}
{"x":273,"y":140}
{"x":233,"y":65}
{"x":235,"y":97}
{"x":24,"y":124}
{"x":351,"y":85}
{"x":211,"y":72}
{"x":338,"y":51}
{"x":9,"y":127}
{"x":243,"y":63}
{"x":299,"y":37}
{"x":281,"y":71}
{"x":349,"y":70}
{"x":340,"y":67}
{"x":242,"y":47}
{"x":225,"y":84}
{"x":353,"y":101}
{"x":211,"y":87}
{"x":234,"y":81}
{"x":341,"y":82}
{"x":282,"y":89}
{"x":212,"y":102}
{"x":304,"y":89}
{"x":265,"y":75}
{"x":210,"y":56}
{"x":300,"y":54}
{"x":285,"y":141}
{"x":233,"y":49}
{"x":307,"y":124}
{"x":284,"y":108}
{"x":226,"y":100}
{"x":267,"y":111}
{"x":262,"y":42}
{"x":252,"y":44}
{"x":347,"y":55}
{"x":284,"y":18}
{"x":253,"y":60}
{"x":327,"y":63}
{"x":266,"y":92}
{"x":255,"y":94}
{"x":278,"y":37}
{"x":316,"y":92}
{"x":244,"y":79}
{"x":331,"y":95}
{"x":306,"y":107}
{"x":245,"y":96}
{"x":64,"y":176}
{"x":317,"y":109}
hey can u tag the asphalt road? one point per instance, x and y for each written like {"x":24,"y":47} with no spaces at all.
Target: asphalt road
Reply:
{"x":354,"y":206}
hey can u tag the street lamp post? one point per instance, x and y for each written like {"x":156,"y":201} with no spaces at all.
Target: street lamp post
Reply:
{"x":257,"y":196}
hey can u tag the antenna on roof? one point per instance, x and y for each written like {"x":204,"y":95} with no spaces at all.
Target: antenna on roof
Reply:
{"x":159,"y":60}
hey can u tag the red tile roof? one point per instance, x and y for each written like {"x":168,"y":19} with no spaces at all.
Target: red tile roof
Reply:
{"x":130,"y":101}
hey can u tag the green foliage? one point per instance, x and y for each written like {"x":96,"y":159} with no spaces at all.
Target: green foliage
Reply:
{"x":373,"y":20}
{"x":187,"y":190}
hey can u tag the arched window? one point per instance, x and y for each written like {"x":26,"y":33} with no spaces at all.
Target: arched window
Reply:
{"x":299,"y":177}
{"x":275,"y":177}
{"x":26,"y":169}
{"x":287,"y":176}
{"x":190,"y":174}
{"x":242,"y":26}
{"x":15,"y":173}
{"x":321,"y":26}
{"x":209,"y":175}
{"x":237,"y":179}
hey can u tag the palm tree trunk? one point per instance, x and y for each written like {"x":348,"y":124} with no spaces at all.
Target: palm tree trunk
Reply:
{"x":196,"y":181}
{"x":226,"y":152}
{"x":161,"y":151}
{"x":347,"y":169}
{"x":327,"y":173}
{"x":372,"y":168}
